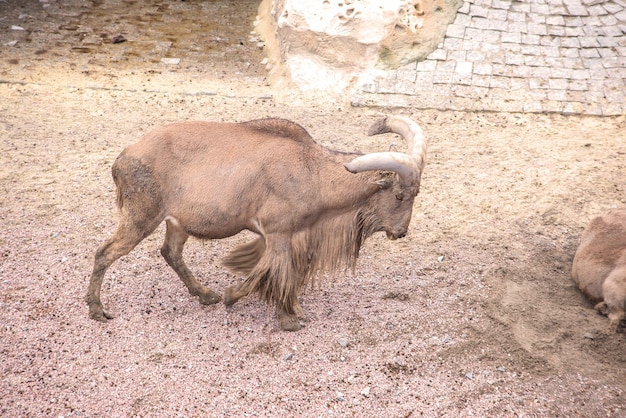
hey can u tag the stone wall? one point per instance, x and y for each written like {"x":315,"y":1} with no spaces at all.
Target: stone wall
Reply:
{"x":565,"y":56}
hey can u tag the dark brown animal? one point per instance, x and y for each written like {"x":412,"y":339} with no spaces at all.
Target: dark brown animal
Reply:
{"x":599,"y":267}
{"x":311,"y":207}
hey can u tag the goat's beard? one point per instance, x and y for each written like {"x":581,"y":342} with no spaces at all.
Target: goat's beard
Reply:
{"x":277,"y":268}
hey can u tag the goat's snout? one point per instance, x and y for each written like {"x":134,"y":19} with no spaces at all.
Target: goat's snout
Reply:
{"x":398,"y":233}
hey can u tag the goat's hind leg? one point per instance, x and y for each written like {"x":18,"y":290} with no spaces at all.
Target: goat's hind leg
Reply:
{"x":172,"y":252}
{"x":126,"y":237}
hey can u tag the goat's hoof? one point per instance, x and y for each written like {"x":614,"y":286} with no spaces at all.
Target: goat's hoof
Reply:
{"x":209,"y":297}
{"x":100,"y":315}
{"x":290,"y":323}
{"x":230,"y":296}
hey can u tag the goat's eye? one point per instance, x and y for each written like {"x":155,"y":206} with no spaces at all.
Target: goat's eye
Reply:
{"x":399,"y":196}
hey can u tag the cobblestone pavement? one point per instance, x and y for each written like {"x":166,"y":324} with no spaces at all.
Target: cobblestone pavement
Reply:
{"x":564,"y":56}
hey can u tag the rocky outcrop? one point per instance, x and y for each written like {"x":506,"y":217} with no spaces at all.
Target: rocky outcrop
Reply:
{"x":326,"y":45}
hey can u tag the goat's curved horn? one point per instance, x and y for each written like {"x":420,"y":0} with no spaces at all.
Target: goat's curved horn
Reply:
{"x":409,"y":166}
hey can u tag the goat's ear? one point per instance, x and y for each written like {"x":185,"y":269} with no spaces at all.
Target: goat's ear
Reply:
{"x":384,"y":182}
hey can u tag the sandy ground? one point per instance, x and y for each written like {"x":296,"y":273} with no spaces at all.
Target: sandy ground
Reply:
{"x":473,"y":313}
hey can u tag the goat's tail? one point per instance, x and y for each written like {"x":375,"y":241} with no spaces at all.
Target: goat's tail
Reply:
{"x":244,"y":258}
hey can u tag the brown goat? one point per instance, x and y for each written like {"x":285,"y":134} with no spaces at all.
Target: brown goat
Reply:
{"x":311,"y":207}
{"x":599,"y":267}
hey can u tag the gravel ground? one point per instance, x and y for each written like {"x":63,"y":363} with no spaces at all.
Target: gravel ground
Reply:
{"x":472,"y":314}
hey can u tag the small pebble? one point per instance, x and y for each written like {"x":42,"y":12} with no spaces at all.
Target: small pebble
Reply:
{"x":366,"y":392}
{"x":288,"y":356}
{"x":343,"y":342}
{"x":340,"y":397}
{"x":170,"y":61}
{"x":469,"y":375}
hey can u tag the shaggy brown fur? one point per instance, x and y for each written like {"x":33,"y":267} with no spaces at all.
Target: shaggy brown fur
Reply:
{"x":278,"y":272}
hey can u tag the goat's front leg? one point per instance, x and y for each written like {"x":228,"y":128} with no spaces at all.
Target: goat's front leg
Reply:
{"x":172,"y":252}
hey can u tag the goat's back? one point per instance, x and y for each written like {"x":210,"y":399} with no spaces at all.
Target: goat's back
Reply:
{"x":220,"y":178}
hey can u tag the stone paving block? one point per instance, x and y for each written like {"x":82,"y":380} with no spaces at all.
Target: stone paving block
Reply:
{"x":597,"y":10}
{"x":573,"y":21}
{"x":452,"y":44}
{"x":608,"y":20}
{"x":475,"y":56}
{"x":528,"y":39}
{"x":599,"y":73}
{"x":557,"y":95}
{"x":443,"y":77}
{"x":537,"y":29}
{"x":534,"y":61}
{"x":518,"y":83}
{"x":501,"y":70}
{"x":536,"y":18}
{"x":538,"y":83}
{"x":532,"y":107}
{"x":570,"y":42}
{"x":499,"y":82}
{"x":513,"y":37}
{"x":553,"y":41}
{"x":426,"y":66}
{"x":551,"y":106}
{"x":613,"y":109}
{"x":571,"y":52}
{"x":521,"y":27}
{"x":574,"y":31}
{"x":540,"y":8}
{"x":559,"y":10}
{"x":455,"y":31}
{"x":478,"y":11}
{"x":556,"y":30}
{"x":522,"y":7}
{"x":511,"y":47}
{"x":578,"y":85}
{"x":573,"y":108}
{"x":459,"y":55}
{"x":514,"y":59}
{"x":537,"y":95}
{"x":558,"y":83}
{"x":613,"y":8}
{"x":438,"y":54}
{"x":464,"y":67}
{"x":575,"y":9}
{"x":463,"y":20}
{"x":516,"y":16}
{"x":615,"y":31}
{"x":555,"y":20}
{"x":498,"y":14}
{"x":588,"y":42}
{"x":589,"y":52}
{"x":482,"y":68}
{"x":481,"y":80}
{"x":470,"y":92}
{"x":424,"y":80}
{"x":612,"y":62}
{"x":576,"y":74}
{"x":522,"y":71}
{"x":501,"y":4}
{"x":590,"y":30}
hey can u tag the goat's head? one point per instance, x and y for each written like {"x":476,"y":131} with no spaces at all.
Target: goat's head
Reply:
{"x":392,"y":205}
